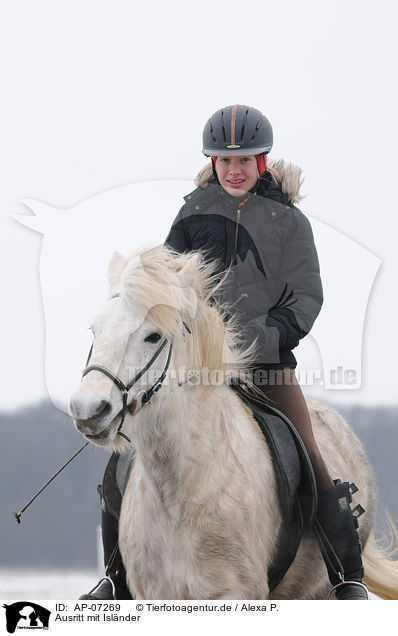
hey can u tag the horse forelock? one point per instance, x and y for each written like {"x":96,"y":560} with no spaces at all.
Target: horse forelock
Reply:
{"x":176,"y":291}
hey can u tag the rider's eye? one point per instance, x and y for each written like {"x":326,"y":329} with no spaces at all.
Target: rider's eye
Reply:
{"x":154,"y":337}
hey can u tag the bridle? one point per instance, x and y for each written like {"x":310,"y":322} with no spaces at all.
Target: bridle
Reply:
{"x":146,"y":395}
{"x":124,"y":388}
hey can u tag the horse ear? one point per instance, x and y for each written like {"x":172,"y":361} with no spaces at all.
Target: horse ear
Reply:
{"x":116,"y":266}
{"x":188,"y":274}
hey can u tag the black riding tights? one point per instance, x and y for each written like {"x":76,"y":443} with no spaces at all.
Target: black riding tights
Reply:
{"x":283,"y":391}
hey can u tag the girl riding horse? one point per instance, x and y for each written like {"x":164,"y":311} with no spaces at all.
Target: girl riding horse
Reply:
{"x":243,"y":216}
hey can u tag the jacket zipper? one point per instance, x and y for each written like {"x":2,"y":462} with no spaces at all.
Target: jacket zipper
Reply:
{"x":236,"y":232}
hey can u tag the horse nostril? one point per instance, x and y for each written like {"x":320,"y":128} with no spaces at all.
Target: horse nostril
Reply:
{"x":88,"y":406}
{"x":102,"y":409}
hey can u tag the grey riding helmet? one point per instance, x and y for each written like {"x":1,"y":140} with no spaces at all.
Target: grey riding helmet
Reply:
{"x":237,"y":130}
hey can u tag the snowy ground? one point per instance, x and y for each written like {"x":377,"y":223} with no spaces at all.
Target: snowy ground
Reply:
{"x":25,"y":585}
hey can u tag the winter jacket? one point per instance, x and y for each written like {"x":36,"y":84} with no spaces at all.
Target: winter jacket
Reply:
{"x":273,"y":283}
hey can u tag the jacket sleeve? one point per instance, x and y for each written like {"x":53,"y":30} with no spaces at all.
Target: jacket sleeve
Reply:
{"x":300,"y":299}
{"x":178,"y":238}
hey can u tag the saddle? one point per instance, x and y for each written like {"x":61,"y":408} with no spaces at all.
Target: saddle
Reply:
{"x":295,"y":479}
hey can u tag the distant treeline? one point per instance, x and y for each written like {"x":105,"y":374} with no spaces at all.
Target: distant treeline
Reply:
{"x":60,"y":527}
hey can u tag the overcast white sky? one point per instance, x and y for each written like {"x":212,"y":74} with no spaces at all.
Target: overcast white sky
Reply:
{"x":97,"y":95}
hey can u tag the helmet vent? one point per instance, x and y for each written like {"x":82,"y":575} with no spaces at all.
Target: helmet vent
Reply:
{"x":211,"y":131}
{"x":223,"y":132}
{"x":242,"y":132}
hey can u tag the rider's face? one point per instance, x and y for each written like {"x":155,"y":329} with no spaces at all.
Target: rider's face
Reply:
{"x":237,"y":175}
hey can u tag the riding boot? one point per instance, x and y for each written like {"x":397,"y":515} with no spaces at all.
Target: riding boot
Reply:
{"x":336,"y":529}
{"x":113,"y":585}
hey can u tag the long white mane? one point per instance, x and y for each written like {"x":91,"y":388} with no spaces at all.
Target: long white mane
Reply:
{"x":177,"y":292}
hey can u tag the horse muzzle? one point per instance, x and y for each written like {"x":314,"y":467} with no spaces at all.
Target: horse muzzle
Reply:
{"x":94,"y":417}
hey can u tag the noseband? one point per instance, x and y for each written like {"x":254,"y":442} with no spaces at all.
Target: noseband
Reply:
{"x":125,"y":388}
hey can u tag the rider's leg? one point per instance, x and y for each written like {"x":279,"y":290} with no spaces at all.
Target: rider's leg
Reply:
{"x":284,"y":393}
{"x":336,"y":527}
{"x":109,"y":525}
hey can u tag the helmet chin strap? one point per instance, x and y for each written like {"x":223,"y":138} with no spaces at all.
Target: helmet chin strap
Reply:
{"x":261,"y":162}
{"x":213,"y":165}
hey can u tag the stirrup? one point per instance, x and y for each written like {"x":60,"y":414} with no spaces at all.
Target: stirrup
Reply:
{"x":105,"y":578}
{"x":342,"y":583}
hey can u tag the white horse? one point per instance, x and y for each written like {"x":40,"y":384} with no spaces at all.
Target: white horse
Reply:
{"x":200,"y":515}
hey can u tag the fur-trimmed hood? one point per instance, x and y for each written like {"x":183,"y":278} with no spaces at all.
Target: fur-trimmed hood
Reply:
{"x":287,"y":175}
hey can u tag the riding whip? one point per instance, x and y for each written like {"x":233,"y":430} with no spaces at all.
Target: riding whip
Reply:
{"x":19,"y":514}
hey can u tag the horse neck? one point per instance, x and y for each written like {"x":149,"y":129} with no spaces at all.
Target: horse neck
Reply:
{"x":176,"y":436}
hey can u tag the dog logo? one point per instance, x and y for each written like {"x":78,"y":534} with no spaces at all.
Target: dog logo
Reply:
{"x":26,"y":615}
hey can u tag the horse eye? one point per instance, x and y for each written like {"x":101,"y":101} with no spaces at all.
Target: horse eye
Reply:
{"x":154,"y":337}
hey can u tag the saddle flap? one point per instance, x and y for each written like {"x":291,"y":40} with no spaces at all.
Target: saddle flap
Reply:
{"x":285,"y":444}
{"x":285,"y":458}
{"x":115,"y":480}
{"x":294,"y":478}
